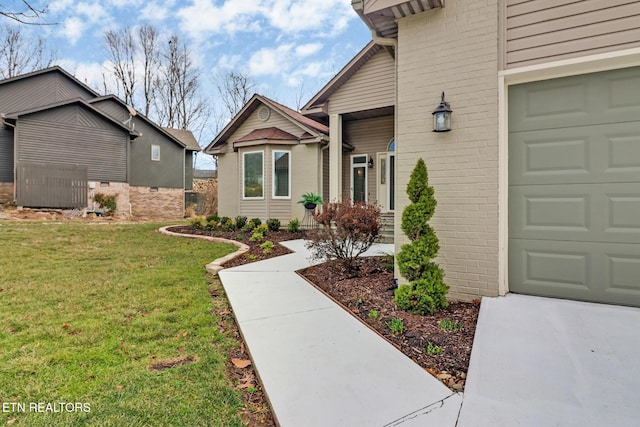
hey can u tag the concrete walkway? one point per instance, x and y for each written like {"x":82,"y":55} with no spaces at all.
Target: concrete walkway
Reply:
{"x":318,"y":364}
{"x":550,"y":362}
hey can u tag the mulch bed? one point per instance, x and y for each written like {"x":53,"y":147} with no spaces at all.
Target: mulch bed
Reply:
{"x":370,"y":289}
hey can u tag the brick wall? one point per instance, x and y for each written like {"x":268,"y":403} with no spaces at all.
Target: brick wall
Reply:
{"x":119,"y":188}
{"x":6,"y":192}
{"x":454,"y":49}
{"x":163,"y":203}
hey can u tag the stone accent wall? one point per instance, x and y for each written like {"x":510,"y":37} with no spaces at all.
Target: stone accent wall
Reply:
{"x":454,"y":49}
{"x":165,"y":203}
{"x":6,"y":192}
{"x":119,"y":188}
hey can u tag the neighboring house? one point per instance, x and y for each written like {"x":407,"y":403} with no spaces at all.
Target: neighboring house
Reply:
{"x":538,"y":181}
{"x":61,"y":143}
{"x":268,"y":156}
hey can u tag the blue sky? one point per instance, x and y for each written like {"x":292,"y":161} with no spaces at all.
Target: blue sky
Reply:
{"x":287,"y":46}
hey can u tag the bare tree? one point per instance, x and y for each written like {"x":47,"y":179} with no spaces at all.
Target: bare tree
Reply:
{"x":28,"y":14}
{"x":122,"y":51}
{"x":235,"y":89}
{"x":148,"y":38}
{"x":20,"y":54}
{"x":177,"y":87}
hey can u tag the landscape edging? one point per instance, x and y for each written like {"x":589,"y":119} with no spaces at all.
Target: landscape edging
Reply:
{"x":216,"y":265}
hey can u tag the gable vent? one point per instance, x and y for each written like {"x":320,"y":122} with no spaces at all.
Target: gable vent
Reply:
{"x":264,"y":113}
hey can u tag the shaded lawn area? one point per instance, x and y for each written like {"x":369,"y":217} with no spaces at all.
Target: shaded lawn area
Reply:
{"x":86,"y":312}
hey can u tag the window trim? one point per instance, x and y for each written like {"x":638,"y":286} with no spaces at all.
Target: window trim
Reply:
{"x":244,"y":197}
{"x":273,"y":175}
{"x":152,"y":157}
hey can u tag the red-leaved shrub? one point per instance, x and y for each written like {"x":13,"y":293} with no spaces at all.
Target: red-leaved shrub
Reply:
{"x":345,"y":231}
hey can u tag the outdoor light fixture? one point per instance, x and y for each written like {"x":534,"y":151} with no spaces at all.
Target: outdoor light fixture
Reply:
{"x":442,"y":117}
{"x":370,"y":162}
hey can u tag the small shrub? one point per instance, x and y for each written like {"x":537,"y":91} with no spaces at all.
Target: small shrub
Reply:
{"x":273,"y":224}
{"x":262,"y":228}
{"x":256,"y":236}
{"x":227,"y":224}
{"x":211,"y":225}
{"x":213,"y":218}
{"x":294,"y":225}
{"x":396,"y":326}
{"x":388,"y":262}
{"x":241,"y":221}
{"x":433,"y":350}
{"x":224,"y":219}
{"x":251,"y":224}
{"x":240,"y":237}
{"x":374,"y":314}
{"x":267,"y":247}
{"x":197,"y":222}
{"x":107,"y":202}
{"x":346,"y":232}
{"x":251,"y":257}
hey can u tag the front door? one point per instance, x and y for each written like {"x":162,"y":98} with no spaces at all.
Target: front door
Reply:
{"x":359,"y":178}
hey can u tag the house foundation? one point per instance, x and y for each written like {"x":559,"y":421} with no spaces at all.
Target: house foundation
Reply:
{"x":157,"y":202}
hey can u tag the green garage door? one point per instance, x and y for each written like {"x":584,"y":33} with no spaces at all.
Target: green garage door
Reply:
{"x":574,"y":187}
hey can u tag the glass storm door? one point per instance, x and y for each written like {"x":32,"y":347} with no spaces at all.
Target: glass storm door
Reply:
{"x":359,"y":178}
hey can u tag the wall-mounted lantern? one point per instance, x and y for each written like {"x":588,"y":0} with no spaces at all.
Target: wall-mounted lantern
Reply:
{"x":442,"y":117}
{"x":370,"y":162}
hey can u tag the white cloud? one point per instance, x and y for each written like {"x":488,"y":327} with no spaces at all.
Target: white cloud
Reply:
{"x":73,"y":29}
{"x":270,"y":60}
{"x":308,"y":49}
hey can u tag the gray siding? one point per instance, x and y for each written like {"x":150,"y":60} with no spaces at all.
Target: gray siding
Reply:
{"x":549,"y":30}
{"x":6,"y":154}
{"x":73,"y":135}
{"x":168,"y":172}
{"x":372,"y":86}
{"x":188,"y":170}
{"x":39,"y":90}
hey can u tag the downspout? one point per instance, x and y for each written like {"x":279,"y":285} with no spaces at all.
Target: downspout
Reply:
{"x":15,"y":170}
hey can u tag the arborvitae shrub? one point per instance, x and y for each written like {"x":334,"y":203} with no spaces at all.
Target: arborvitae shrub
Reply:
{"x":426,"y":292}
{"x":241,"y":221}
{"x":273,"y":224}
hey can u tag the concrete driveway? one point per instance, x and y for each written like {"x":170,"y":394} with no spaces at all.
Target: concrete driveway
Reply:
{"x":549,"y":362}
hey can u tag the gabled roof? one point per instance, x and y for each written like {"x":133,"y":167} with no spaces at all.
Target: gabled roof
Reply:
{"x":312,"y":129}
{"x":78,"y":101}
{"x":186,"y":136}
{"x":267,"y":133}
{"x":318,"y":104}
{"x":381,"y":15}
{"x":160,"y":129}
{"x":54,"y":69}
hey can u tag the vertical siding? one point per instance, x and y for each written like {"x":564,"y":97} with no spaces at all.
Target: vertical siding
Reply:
{"x":368,"y":136}
{"x":74,"y":137}
{"x":6,"y":154}
{"x":463,"y":163}
{"x":372,"y":86}
{"x":188,"y":170}
{"x":549,"y":30}
{"x":38,"y":90}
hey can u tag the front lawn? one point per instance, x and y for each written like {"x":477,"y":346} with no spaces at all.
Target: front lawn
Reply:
{"x":110,"y":324}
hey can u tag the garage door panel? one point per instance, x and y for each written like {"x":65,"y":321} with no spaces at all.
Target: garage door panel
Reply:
{"x":580,"y":212}
{"x":588,"y":154}
{"x":589,"y":99}
{"x":603,"y":272}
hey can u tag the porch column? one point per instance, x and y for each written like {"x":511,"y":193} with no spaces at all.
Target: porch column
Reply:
{"x":335,"y":158}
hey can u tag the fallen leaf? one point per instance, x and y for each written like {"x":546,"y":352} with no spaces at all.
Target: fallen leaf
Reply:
{"x":225,"y":311}
{"x":242,"y":347}
{"x":11,"y":421}
{"x":119,"y":387}
{"x":184,"y":334}
{"x":246,"y":385}
{"x":240,"y":363}
{"x":66,"y":326}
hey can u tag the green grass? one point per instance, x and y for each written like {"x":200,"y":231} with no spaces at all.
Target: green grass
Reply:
{"x":87,"y":308}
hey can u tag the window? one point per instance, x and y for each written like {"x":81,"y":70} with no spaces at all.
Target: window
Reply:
{"x":253,"y":175}
{"x":155,"y":153}
{"x":281,"y":174}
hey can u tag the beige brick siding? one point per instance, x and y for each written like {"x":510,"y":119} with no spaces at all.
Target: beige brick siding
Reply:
{"x":119,"y":188}
{"x":164,"y":203}
{"x":6,"y":192}
{"x":454,"y":49}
